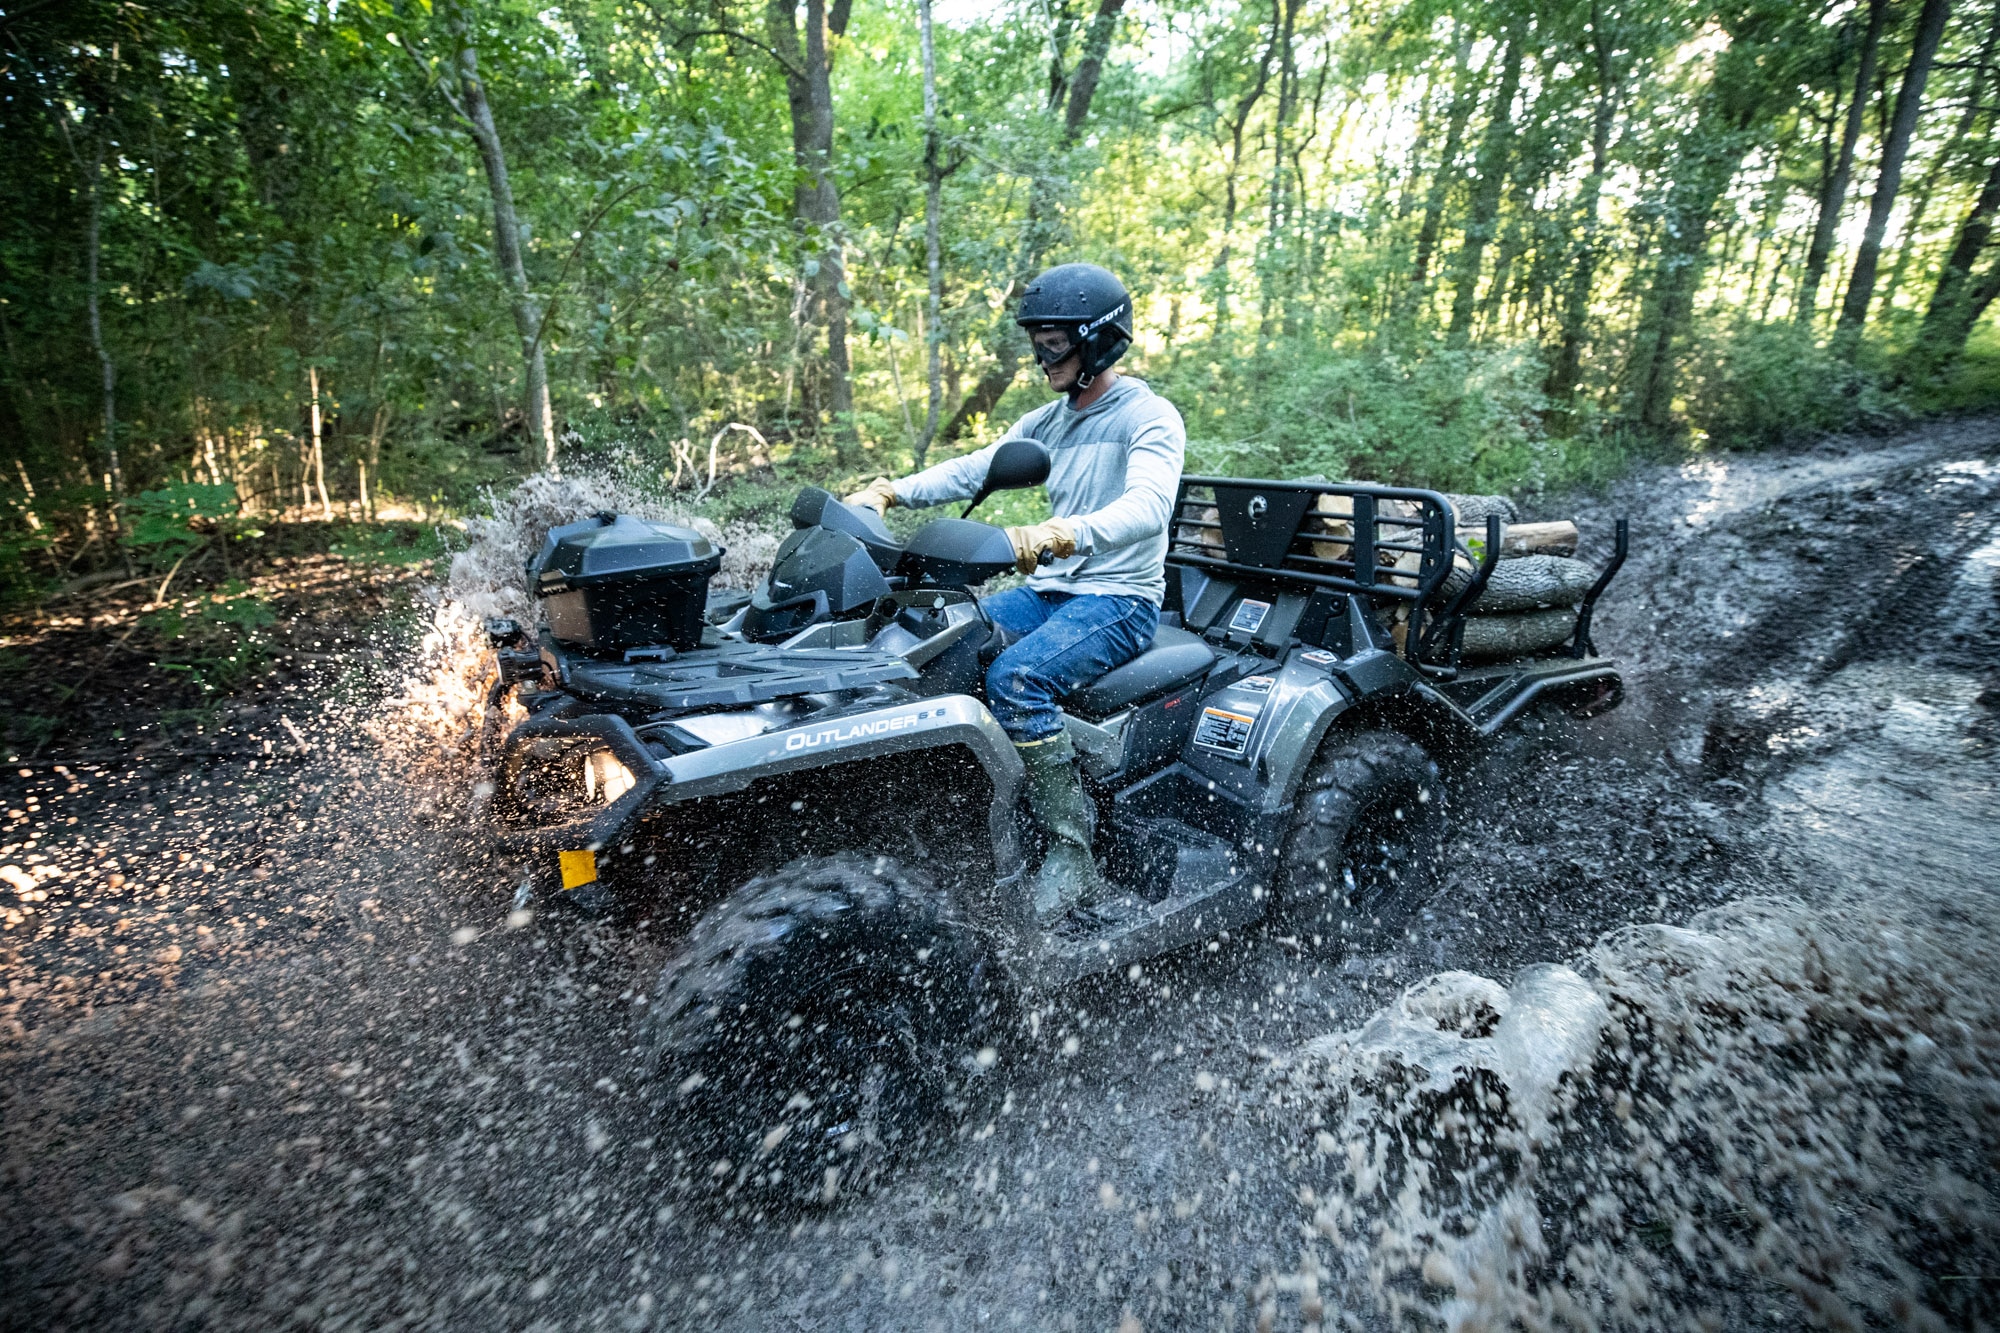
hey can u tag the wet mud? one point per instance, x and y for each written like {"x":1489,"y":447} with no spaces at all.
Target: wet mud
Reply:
{"x":1698,"y":1033}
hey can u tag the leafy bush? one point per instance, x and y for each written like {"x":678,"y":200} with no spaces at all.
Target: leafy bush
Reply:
{"x":19,"y":581}
{"x":170,"y":522}
{"x":1756,"y":385}
{"x":396,"y":544}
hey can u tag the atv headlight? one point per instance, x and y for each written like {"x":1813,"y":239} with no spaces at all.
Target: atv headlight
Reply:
{"x":565,"y":777}
{"x":605,"y":777}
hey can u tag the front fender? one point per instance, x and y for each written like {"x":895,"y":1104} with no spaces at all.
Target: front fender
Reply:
{"x":908,"y":725}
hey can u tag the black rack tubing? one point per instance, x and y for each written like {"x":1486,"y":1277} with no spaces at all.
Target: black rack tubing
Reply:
{"x":1580,"y":644}
{"x":1318,"y":580}
{"x":1451,"y":621}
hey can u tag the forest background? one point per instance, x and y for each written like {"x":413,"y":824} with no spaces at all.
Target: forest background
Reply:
{"x":345,"y":259}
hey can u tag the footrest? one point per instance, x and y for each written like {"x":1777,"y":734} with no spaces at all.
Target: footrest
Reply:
{"x":1158,"y":857}
{"x":1178,"y":885}
{"x":1109,"y":914}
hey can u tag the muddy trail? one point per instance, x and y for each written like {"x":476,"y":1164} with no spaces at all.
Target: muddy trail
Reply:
{"x":275,"y":1055}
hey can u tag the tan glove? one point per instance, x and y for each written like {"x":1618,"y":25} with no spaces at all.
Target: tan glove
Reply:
{"x":878,"y":495}
{"x":1056,"y":537}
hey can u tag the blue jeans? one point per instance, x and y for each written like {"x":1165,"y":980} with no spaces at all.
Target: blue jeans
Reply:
{"x":1063,"y":642}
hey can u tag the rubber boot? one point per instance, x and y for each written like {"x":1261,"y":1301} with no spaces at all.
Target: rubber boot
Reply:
{"x":1067,"y":877}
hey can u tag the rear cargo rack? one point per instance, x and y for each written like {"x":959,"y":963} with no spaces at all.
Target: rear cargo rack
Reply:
{"x":1333,"y":535}
{"x":1378,"y":542}
{"x":1383,"y":544}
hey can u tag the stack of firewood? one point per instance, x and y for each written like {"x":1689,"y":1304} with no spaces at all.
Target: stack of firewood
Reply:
{"x":1529,"y":603}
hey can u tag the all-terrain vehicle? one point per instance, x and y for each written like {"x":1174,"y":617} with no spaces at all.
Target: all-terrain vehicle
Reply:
{"x":807,"y":791}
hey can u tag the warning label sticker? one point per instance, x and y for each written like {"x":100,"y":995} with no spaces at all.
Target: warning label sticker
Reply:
{"x":1318,"y":657}
{"x":1257,"y":684}
{"x":1224,"y":731}
{"x":1249,"y":616}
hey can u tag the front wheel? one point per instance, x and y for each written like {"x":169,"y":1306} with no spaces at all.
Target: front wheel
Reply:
{"x":1367,"y":841}
{"x":817,"y":1021}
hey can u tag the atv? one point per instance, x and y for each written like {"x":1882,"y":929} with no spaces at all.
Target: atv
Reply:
{"x":806,"y":790}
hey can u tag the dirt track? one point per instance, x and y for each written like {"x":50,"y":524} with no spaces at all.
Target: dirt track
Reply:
{"x":272,"y":1059}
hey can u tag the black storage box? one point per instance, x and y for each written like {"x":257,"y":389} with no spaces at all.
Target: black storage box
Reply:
{"x":614,"y":582}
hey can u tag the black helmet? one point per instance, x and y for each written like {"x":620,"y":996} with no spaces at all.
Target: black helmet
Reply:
{"x":1092,"y":303}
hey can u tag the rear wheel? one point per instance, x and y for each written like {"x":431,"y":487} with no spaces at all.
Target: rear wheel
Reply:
{"x":1367,"y":841}
{"x":818,"y":1021}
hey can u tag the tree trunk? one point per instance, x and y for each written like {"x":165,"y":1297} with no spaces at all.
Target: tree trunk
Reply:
{"x":1006,"y":347}
{"x":826,"y":214}
{"x":374,"y":458}
{"x":1420,"y":141}
{"x":1709,"y":159}
{"x":318,"y":452}
{"x":933,"y":249}
{"x":1909,"y":100}
{"x":1218,"y":273}
{"x":1288,"y":85}
{"x":1567,"y":371}
{"x":1304,"y":262}
{"x":1942,"y":164}
{"x":1089,"y":69}
{"x":1493,"y":164}
{"x":1949,"y":319}
{"x":1979,"y":294}
{"x":92,"y":174}
{"x":114,"y":475}
{"x":478,"y":115}
{"x":815,"y":197}
{"x":1463,"y":98}
{"x":1833,"y":186}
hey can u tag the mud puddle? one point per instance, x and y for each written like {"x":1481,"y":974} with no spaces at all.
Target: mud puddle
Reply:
{"x":275,"y":1057}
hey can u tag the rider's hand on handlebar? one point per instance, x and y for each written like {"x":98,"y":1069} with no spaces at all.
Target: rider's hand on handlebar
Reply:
{"x":877,"y":495}
{"x":1042,"y":543}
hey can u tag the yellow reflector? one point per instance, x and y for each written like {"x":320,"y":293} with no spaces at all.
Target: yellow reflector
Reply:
{"x":578,"y":868}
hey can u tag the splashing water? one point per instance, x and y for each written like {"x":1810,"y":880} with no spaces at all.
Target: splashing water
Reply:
{"x":1778,"y":1097}
{"x":444,"y":699}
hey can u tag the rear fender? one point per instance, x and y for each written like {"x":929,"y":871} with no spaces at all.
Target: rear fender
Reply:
{"x":1314,"y":692}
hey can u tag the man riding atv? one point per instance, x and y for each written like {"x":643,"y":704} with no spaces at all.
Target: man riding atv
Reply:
{"x":1096,"y":569}
{"x":816,"y":797}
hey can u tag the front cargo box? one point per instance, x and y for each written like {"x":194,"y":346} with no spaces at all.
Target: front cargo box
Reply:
{"x":614,"y":582}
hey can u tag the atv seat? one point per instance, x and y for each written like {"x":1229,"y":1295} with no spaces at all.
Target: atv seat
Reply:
{"x":1175,"y":658}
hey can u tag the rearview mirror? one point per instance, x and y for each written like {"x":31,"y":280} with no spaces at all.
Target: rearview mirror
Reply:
{"x":1016,"y":465}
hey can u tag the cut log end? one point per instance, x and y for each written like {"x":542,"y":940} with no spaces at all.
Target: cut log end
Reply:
{"x":1558,"y":538}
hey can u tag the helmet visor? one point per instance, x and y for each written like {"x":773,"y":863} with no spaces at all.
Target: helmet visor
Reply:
{"x":1052,"y":346}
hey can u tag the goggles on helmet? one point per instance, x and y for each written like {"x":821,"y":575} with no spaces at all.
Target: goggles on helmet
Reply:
{"x":1052,"y":346}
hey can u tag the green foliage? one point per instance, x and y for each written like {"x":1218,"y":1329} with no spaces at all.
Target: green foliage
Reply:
{"x":168,"y":523}
{"x":285,"y":199}
{"x":20,"y":580}
{"x":1465,"y":419}
{"x":1973,"y":381}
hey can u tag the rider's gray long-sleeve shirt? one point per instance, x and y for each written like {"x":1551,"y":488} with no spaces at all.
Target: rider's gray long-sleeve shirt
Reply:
{"x":1113,"y":471}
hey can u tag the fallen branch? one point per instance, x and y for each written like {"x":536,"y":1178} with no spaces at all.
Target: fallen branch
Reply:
{"x":161,"y":595}
{"x":96,"y":580}
{"x":715,"y":443}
